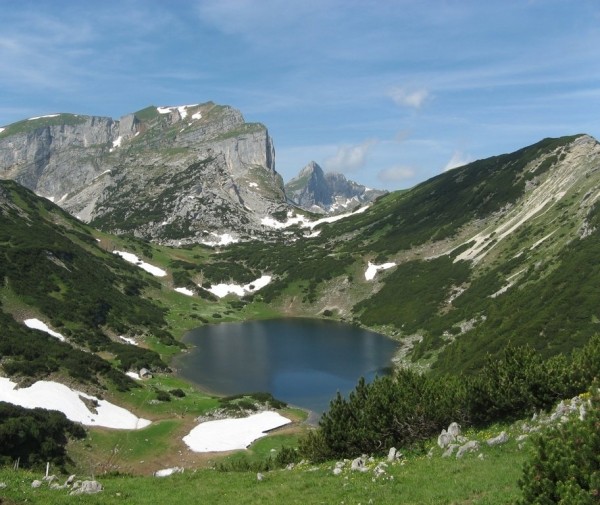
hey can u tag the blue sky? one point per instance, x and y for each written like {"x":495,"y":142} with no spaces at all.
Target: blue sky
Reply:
{"x":388,"y":92}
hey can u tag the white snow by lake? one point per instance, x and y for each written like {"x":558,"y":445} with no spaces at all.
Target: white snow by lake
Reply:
{"x":36,"y":324}
{"x":232,"y":434}
{"x":222,"y":290}
{"x":41,"y":117}
{"x":132,"y":258}
{"x":2,"y":129}
{"x":372,"y":269}
{"x":54,"y":396}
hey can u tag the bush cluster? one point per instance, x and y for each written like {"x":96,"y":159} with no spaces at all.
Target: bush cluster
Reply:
{"x":34,"y":436}
{"x":408,"y":408}
{"x":565,"y":467}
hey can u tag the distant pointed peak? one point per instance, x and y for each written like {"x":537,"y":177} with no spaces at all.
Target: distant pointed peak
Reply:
{"x":310,"y":168}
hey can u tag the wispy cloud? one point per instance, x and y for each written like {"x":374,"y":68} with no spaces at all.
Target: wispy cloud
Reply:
{"x":396,"y":174}
{"x":458,"y":159}
{"x":350,"y":158}
{"x":409,"y":97}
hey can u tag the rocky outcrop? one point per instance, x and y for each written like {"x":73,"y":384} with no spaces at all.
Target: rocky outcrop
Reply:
{"x":318,"y":191}
{"x":171,"y":174}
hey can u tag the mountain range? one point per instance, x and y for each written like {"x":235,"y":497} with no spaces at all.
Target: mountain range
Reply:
{"x":493,"y":251}
{"x":175,"y":175}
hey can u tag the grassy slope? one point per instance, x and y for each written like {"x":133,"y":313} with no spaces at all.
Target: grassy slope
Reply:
{"x":418,"y":480}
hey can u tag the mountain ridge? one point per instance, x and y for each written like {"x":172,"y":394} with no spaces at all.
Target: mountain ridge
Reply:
{"x":105,"y":171}
{"x":327,"y":192}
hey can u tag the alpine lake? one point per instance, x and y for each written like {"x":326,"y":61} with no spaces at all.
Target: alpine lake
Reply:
{"x":303,"y":362}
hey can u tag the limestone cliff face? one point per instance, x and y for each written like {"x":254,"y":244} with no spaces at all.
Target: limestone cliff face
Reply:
{"x":173,"y":174}
{"x":318,"y":191}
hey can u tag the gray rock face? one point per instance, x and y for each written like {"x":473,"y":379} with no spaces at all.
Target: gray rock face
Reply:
{"x":171,"y":174}
{"x":318,"y":191}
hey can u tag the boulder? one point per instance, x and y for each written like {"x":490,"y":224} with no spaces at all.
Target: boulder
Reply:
{"x":445,"y":439}
{"x":88,"y":487}
{"x":359,"y":465}
{"x":36,"y":483}
{"x":450,"y":450}
{"x":470,"y":446}
{"x":500,"y":439}
{"x":392,"y":454}
{"x":454,"y":429}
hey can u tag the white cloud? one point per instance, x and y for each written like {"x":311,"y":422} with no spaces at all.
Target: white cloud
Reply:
{"x":350,"y":158}
{"x":395,"y":174}
{"x":458,"y":159}
{"x":407,"y":97}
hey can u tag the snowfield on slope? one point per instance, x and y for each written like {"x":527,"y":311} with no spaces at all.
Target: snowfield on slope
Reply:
{"x":372,"y":269}
{"x":55,"y":396}
{"x":222,"y":290}
{"x":132,"y":258}
{"x":233,"y":434}
{"x":303,"y":222}
{"x":36,"y":324}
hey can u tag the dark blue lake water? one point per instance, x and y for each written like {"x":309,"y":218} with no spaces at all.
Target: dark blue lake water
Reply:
{"x":301,"y":361}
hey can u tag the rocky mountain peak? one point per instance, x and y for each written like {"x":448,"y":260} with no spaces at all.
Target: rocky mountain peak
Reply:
{"x":174,"y":174}
{"x":318,"y":191}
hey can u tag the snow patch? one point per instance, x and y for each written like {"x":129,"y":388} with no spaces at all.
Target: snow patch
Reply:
{"x":232,"y":434}
{"x":306,"y":223}
{"x":54,"y":396}
{"x":222,"y":240}
{"x":42,"y":117}
{"x":197,"y":115}
{"x":128,"y":340}
{"x":132,"y":258}
{"x":165,"y":472}
{"x":134,"y":375}
{"x":372,"y":269}
{"x":2,"y":129}
{"x":36,"y":324}
{"x":252,"y":185}
{"x":185,"y":291}
{"x":222,"y":290}
{"x":182,"y":109}
{"x":116,"y":143}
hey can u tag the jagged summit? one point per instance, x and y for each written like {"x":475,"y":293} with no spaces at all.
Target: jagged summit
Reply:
{"x":315,"y":190}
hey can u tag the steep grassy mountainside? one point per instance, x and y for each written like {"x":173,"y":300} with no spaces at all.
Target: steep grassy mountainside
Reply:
{"x":194,"y":173}
{"x":493,"y":251}
{"x":53,"y":269}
